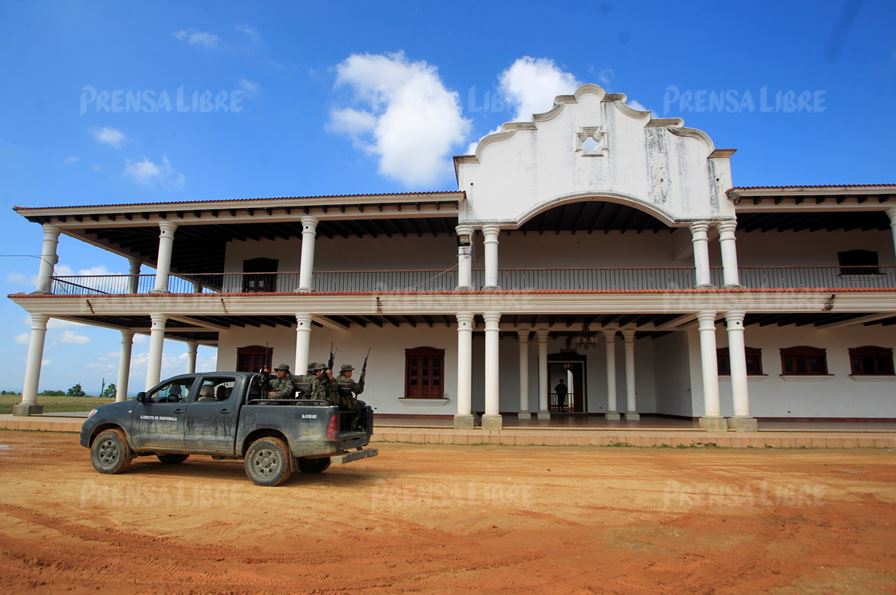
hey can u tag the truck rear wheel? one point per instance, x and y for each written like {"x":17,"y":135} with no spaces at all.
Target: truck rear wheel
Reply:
{"x":313,"y":465}
{"x":109,"y":452}
{"x":173,"y":459}
{"x":268,"y":462}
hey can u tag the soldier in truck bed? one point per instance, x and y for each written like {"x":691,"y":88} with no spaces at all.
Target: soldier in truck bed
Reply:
{"x":281,"y":385}
{"x":349,"y":390}
{"x":304,"y":382}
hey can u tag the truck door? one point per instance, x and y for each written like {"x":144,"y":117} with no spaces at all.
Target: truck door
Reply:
{"x":158,"y":423}
{"x":212,"y":415}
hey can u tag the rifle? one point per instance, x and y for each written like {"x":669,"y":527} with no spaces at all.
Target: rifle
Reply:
{"x":364,"y":368}
{"x":332,"y":359}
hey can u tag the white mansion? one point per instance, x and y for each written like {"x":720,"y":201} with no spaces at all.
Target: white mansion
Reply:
{"x":593,"y":244}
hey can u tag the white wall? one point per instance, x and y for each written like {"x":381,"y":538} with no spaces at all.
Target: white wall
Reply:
{"x":832,"y":396}
{"x":672,"y":375}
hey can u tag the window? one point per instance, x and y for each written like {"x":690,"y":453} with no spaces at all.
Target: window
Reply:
{"x":803,"y":361}
{"x":176,"y":391}
{"x":215,"y":388}
{"x":253,"y":358}
{"x":423,"y":373}
{"x":871,"y":361}
{"x":260,"y":275}
{"x":753,"y":356}
{"x":858,"y":262}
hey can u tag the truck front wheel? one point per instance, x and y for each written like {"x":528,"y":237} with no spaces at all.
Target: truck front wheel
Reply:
{"x":313,"y":465}
{"x":109,"y":452}
{"x":268,"y":462}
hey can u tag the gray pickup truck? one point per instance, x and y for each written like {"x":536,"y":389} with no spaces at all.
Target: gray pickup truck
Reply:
{"x":224,"y":414}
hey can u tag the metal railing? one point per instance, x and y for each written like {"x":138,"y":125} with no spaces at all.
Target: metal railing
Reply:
{"x":422,"y":280}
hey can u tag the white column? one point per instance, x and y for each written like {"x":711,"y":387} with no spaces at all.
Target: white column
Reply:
{"x":134,"y":272}
{"x":28,"y":405}
{"x":48,"y":258}
{"x":612,"y":411}
{"x":631,"y":409}
{"x":306,"y":267}
{"x":524,"y":373}
{"x":729,"y":253}
{"x":156,"y":345}
{"x":303,"y":342}
{"x":163,"y":262}
{"x":541,"y":335}
{"x":492,"y":418}
{"x":892,"y":215}
{"x":124,"y":366}
{"x":709,"y":366}
{"x":192,"y":348}
{"x":464,"y":256}
{"x":463,"y":420}
{"x":700,"y":241}
{"x":490,"y":232}
{"x":741,"y":421}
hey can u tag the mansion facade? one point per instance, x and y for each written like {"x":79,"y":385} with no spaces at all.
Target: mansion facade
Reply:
{"x":595,"y":244}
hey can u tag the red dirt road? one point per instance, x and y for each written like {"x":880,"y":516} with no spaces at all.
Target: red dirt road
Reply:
{"x":449,"y":518}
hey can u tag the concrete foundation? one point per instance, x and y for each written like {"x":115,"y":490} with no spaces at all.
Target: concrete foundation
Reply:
{"x":544,"y":416}
{"x":492,"y":423}
{"x":743,"y":424}
{"x":713,"y":424}
{"x":463,"y":422}
{"x":632,"y":416}
{"x":524,"y":415}
{"x":23,"y":410}
{"x":613,"y":416}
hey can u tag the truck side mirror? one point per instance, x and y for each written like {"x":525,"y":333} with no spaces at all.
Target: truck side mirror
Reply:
{"x":141,"y":397}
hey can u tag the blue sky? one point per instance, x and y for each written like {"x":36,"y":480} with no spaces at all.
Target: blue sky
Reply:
{"x":324,"y":96}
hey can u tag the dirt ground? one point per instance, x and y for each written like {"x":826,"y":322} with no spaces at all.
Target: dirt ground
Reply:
{"x":450,"y":518}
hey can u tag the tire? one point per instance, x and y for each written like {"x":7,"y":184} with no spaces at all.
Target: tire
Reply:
{"x":268,"y":462}
{"x":313,"y":465}
{"x":172,"y":459}
{"x":109,"y":452}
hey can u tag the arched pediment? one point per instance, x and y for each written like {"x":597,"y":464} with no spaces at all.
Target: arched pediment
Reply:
{"x":592,"y":144}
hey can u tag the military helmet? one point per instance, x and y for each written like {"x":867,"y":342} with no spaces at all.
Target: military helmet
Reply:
{"x":319,"y":366}
{"x":311,"y":366}
{"x":284,"y":367}
{"x":346,"y":368}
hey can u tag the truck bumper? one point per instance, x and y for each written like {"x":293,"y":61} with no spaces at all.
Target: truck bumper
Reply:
{"x":357,"y":455}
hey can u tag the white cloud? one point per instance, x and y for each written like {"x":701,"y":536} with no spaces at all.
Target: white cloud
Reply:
{"x":250,"y":32}
{"x":108,"y":136}
{"x":74,"y":338}
{"x":531,"y":84}
{"x":634,"y":103}
{"x":23,"y":338}
{"x":250,"y":87}
{"x":148,"y":173}
{"x":408,"y":118}
{"x":17,"y":278}
{"x":71,"y":159}
{"x":195,"y":37}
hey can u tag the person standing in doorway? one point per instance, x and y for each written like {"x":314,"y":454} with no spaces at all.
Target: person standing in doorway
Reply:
{"x":560,"y":389}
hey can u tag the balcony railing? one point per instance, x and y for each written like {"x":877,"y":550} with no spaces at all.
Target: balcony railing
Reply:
{"x":613,"y":279}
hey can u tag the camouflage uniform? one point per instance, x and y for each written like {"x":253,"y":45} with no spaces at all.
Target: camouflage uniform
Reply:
{"x":281,"y":388}
{"x":349,"y":390}
{"x":304,"y":382}
{"x":324,"y":389}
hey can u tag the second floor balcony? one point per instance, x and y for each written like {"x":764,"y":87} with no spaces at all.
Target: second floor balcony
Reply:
{"x":446,"y":280}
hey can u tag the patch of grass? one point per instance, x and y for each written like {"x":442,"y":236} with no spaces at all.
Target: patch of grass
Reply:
{"x":698,"y":445}
{"x":618,"y":444}
{"x":55,"y":404}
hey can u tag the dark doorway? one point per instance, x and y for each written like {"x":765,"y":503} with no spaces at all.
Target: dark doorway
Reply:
{"x":569,"y":367}
{"x":260,"y":275}
{"x":253,"y":358}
